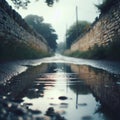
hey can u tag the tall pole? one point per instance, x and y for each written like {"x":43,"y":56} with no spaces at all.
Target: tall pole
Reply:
{"x":77,"y":21}
{"x":77,"y":33}
{"x":66,"y":38}
{"x":77,"y":26}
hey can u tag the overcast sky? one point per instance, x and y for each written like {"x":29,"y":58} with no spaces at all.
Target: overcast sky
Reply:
{"x":62,"y":14}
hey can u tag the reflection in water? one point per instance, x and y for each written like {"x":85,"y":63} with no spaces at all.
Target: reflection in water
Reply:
{"x":66,"y":90}
{"x":18,"y":86}
{"x":104,"y":86}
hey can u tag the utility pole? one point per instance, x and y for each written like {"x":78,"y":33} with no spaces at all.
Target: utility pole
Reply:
{"x":77,"y":26}
{"x":66,"y":38}
{"x":77,"y":33}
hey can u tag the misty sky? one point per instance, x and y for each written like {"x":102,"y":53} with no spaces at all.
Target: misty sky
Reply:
{"x":62,"y":14}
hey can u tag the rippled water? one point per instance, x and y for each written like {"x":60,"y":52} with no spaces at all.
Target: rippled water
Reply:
{"x":75,"y":89}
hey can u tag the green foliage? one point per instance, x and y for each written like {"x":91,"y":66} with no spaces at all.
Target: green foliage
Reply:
{"x":113,"y":49}
{"x":20,"y":3}
{"x":24,"y":3}
{"x":50,"y":2}
{"x":105,"y":6}
{"x":45,"y":29}
{"x":110,"y":52}
{"x":11,"y":49}
{"x":75,"y":31}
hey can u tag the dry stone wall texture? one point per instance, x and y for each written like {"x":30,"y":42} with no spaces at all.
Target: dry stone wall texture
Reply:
{"x":12,"y":26}
{"x":104,"y":30}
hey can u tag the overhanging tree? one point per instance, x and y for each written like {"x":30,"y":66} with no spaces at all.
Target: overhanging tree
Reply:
{"x":45,"y":29}
{"x":24,"y":3}
{"x":105,"y":5}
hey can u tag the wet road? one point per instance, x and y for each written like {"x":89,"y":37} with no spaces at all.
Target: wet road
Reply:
{"x":60,"y":88}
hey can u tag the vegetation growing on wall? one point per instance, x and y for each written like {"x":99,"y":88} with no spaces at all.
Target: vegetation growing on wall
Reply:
{"x":12,"y":49}
{"x":105,"y":5}
{"x":111,"y":51}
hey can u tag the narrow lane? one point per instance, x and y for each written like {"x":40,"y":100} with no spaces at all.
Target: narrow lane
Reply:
{"x":61,"y":88}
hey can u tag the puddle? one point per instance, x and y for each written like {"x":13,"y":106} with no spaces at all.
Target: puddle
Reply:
{"x":62,"y":91}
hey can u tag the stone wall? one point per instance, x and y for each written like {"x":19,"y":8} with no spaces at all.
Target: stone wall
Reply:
{"x":12,"y":26}
{"x":103,"y":31}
